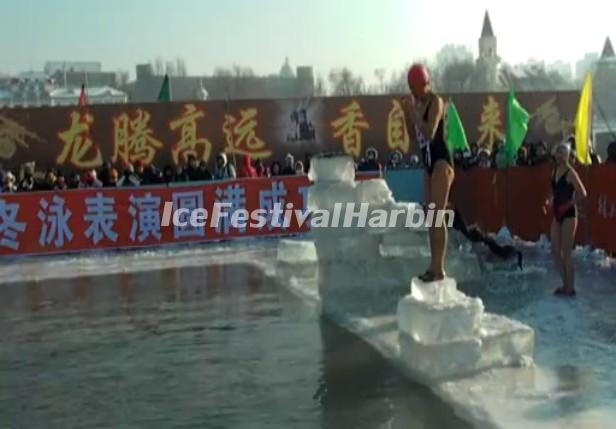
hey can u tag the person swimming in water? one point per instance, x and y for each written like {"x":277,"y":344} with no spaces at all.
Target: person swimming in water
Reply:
{"x":567,"y":191}
{"x":424,"y":111}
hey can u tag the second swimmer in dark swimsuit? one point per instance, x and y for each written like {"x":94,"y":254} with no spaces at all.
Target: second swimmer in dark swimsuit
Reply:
{"x":424,"y":113}
{"x":567,"y":191}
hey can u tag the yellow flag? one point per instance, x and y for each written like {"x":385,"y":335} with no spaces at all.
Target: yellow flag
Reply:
{"x":583,"y":120}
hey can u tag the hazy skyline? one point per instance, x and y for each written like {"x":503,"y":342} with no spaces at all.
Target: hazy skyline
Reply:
{"x":361,"y":34}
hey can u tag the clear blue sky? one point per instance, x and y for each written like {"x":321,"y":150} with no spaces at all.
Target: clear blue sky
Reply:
{"x":361,"y":34}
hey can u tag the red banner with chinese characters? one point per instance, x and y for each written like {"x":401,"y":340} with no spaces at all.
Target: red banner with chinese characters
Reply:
{"x":602,"y":206}
{"x":69,"y":221}
{"x":75,"y":138}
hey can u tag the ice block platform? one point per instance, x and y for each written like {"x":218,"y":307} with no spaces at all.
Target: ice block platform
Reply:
{"x":445,"y":334}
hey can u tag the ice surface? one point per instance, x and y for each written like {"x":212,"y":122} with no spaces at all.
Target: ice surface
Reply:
{"x":332,"y":169}
{"x":297,"y":251}
{"x":435,"y":322}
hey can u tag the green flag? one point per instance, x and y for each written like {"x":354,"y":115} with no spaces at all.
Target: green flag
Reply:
{"x":456,"y":137}
{"x":517,"y":126}
{"x":165,"y":90}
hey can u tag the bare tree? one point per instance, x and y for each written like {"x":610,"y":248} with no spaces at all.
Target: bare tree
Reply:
{"x":319,"y":87}
{"x":454,"y":77}
{"x":380,"y":76}
{"x":398,"y":82}
{"x":170,"y":68}
{"x":181,"y":68}
{"x":158,"y":67}
{"x":344,"y":83}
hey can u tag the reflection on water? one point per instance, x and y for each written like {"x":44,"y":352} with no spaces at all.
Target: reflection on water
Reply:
{"x":215,"y":347}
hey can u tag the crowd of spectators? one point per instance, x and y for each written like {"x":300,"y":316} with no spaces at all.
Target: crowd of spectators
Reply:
{"x":193,"y":170}
{"x":138,"y":174}
{"x":529,"y":155}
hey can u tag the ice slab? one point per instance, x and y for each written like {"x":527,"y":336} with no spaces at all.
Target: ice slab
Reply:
{"x":325,"y":196}
{"x":430,"y":322}
{"x":332,"y":246}
{"x":502,"y":342}
{"x":439,"y":292}
{"x":296,"y":251}
{"x":340,"y":168}
{"x":374,"y":192}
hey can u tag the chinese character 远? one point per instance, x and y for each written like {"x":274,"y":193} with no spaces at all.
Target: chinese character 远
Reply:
{"x":241,"y":137}
{"x":189,"y":142}
{"x":101,"y":216}
{"x":397,"y":133}
{"x":9,"y":227}
{"x":270,"y":199}
{"x":54,"y":222}
{"x":145,"y":212}
{"x":133,"y":140}
{"x":190,"y":201}
{"x":235,"y":195}
{"x":349,"y":126}
{"x":78,"y":146}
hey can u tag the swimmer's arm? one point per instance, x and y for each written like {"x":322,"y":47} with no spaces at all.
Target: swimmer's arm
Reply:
{"x":580,"y":190}
{"x":434,"y":116}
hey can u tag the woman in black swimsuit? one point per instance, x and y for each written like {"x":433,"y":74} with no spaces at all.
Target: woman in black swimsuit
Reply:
{"x":424,"y":113}
{"x":567,"y":191}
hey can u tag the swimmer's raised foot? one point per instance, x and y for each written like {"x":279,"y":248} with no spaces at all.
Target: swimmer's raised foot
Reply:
{"x":566,"y":293}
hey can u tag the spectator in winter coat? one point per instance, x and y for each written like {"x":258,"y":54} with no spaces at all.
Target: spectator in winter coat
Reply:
{"x":247,"y":169}
{"x":289,"y":166}
{"x":224,"y":169}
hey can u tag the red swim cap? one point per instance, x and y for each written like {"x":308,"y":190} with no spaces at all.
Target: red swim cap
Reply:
{"x":418,"y":76}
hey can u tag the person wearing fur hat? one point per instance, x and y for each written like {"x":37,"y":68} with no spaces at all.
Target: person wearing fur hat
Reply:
{"x":8,"y":183}
{"x":224,"y":169}
{"x":424,"y":112}
{"x":370,"y":162}
{"x":289,"y":166}
{"x":27,"y":182}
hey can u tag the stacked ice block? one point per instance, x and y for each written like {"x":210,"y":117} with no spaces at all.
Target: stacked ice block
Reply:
{"x":446,"y":334}
{"x":442,"y":332}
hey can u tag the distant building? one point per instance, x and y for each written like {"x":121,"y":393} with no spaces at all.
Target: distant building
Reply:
{"x":95,"y":95}
{"x":485,"y":76}
{"x":604,"y":103}
{"x":74,"y":79}
{"x":52,"y":67}
{"x":585,"y":65}
{"x":562,"y":68}
{"x":286,"y":84}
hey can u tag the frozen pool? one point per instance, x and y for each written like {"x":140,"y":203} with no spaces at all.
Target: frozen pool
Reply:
{"x":124,"y":340}
{"x":169,"y":306}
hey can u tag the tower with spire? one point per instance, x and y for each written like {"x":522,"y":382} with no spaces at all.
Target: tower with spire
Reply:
{"x":485,"y":77}
{"x":604,"y":98}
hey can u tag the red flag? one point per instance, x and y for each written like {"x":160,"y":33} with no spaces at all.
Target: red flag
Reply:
{"x":83,"y":100}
